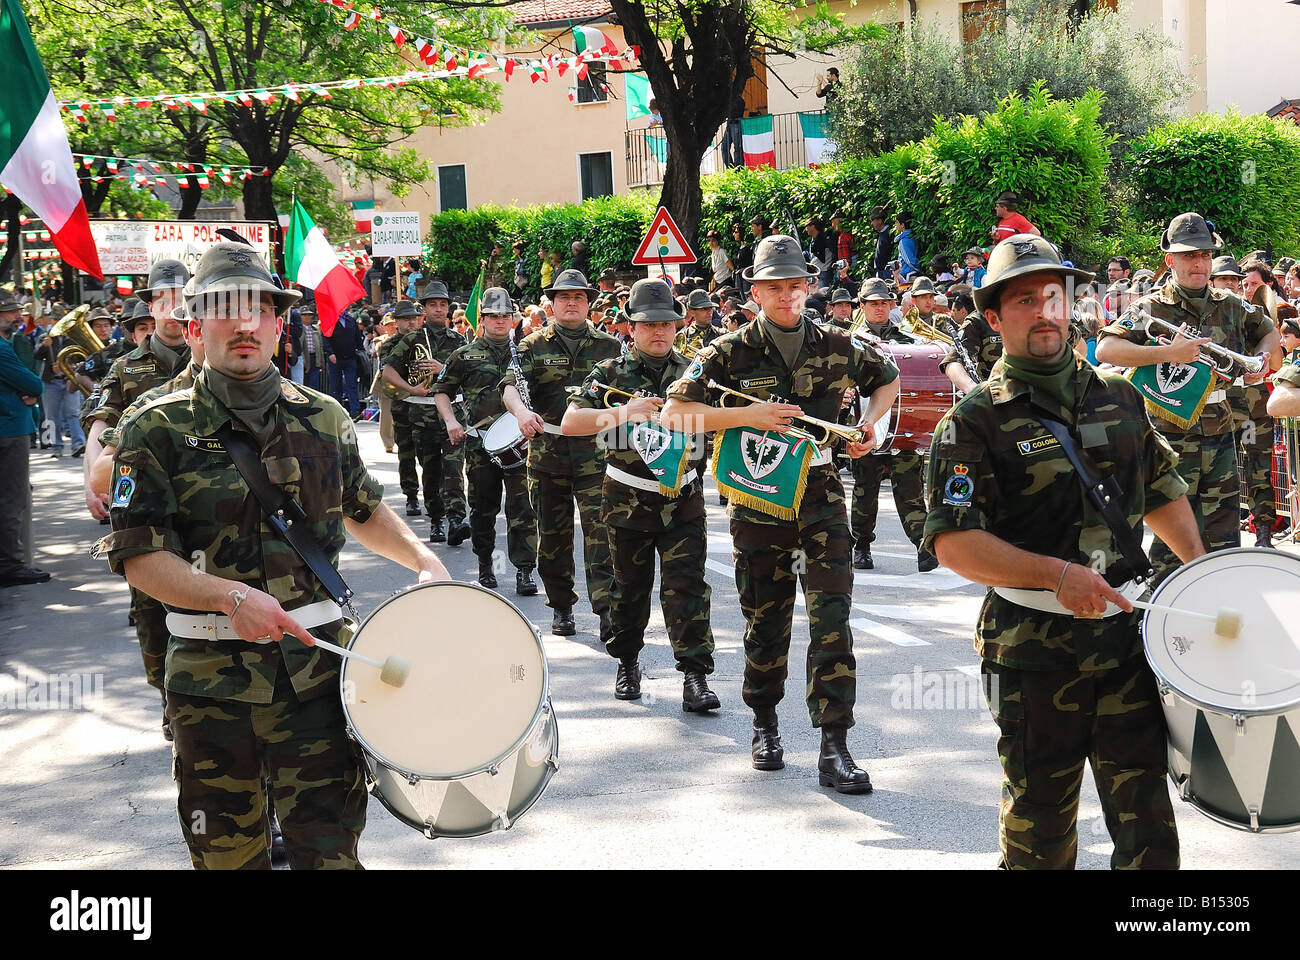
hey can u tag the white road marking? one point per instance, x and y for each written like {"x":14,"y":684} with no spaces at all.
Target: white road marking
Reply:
{"x":889,"y":634}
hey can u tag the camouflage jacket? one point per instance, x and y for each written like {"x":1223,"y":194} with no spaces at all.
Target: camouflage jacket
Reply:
{"x":113,"y":435}
{"x":130,"y":376}
{"x":1231,"y":323}
{"x":176,"y":489}
{"x":1290,"y":370}
{"x":475,"y":371}
{"x":98,"y":363}
{"x":441,"y":343}
{"x":626,"y":506}
{"x":982,"y":342}
{"x":829,"y":362}
{"x":994,"y":467}
{"x":382,"y":354}
{"x":691,"y":338}
{"x":550,"y":372}
{"x":888,"y":331}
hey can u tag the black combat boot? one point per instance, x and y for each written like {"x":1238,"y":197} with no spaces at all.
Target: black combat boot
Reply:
{"x":696,"y":695}
{"x":413,"y":506}
{"x":862,"y":557}
{"x":458,"y":533}
{"x":627,"y":681}
{"x":925,"y":560}
{"x":486,"y":578}
{"x":767,"y":752}
{"x":835,"y":768}
{"x":437,"y":532}
{"x":524,"y":585}
{"x":562,"y":623}
{"x":1263,"y":536}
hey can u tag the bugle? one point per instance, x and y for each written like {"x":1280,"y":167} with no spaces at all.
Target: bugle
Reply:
{"x":827,"y":428}
{"x":1226,"y":363}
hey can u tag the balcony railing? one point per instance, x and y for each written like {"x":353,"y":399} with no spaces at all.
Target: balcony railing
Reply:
{"x":647,"y":150}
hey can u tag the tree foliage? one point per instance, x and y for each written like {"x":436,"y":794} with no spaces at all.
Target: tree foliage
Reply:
{"x":897,"y":85}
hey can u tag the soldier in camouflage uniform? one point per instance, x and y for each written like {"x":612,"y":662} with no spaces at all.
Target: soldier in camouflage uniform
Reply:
{"x":699,"y":330}
{"x":841,"y":315}
{"x":781,"y":354}
{"x":1008,"y":509}
{"x":983,"y":345}
{"x":1206,"y":450}
{"x":904,"y":467}
{"x":475,"y":370}
{"x":187,"y":531}
{"x":402,"y":435}
{"x":412,"y":360}
{"x":564,"y":470}
{"x":641,"y":520}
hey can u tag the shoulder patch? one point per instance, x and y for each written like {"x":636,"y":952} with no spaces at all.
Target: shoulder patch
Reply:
{"x":124,"y":489}
{"x":289,"y":390}
{"x":959,"y":488}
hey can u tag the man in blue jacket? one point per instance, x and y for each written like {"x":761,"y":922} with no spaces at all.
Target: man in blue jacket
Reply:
{"x":19,"y":389}
{"x":909,"y":258}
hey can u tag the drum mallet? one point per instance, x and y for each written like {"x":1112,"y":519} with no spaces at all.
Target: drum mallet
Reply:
{"x":1227,"y":622}
{"x":392,"y":671}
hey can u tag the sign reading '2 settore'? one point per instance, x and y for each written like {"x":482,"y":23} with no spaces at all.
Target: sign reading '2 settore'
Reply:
{"x":395,"y":234}
{"x":130,"y":247}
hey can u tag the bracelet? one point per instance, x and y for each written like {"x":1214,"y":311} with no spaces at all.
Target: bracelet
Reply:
{"x":1061,"y":580}
{"x":241,"y":597}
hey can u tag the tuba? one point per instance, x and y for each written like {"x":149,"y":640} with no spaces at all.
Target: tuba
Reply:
{"x":84,"y":343}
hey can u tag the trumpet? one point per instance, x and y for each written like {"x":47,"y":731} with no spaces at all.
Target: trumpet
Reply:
{"x":608,"y":391}
{"x":827,"y":428}
{"x":1226,"y":363}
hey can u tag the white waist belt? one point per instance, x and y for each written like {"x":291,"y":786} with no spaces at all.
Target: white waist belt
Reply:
{"x":216,"y":626}
{"x":641,"y":483}
{"x":551,"y":428}
{"x":1045,"y":600}
{"x":1218,"y":396}
{"x":822,"y":457}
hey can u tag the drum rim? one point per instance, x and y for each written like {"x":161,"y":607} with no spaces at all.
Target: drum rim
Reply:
{"x":514,"y":443}
{"x":460,"y":775}
{"x":1164,"y":680}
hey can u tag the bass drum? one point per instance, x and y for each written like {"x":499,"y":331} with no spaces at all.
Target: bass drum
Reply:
{"x":925,"y":396}
{"x":469,"y":742}
{"x":1232,"y":706}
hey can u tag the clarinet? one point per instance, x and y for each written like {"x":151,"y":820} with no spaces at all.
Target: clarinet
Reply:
{"x":521,"y":382}
{"x":949,"y":327}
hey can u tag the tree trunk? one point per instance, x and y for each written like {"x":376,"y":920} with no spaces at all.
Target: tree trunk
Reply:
{"x":12,"y":207}
{"x":681,"y":194}
{"x":191,"y":197}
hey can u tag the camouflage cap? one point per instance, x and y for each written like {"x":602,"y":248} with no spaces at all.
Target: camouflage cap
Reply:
{"x":8,"y":303}
{"x":1019,"y":256}
{"x":435,"y":290}
{"x":165,"y":275}
{"x":405,"y":310}
{"x":699,"y":300}
{"x":652,"y":301}
{"x":922,"y":285}
{"x":778,"y":257}
{"x":571,"y":280}
{"x":875,"y":288}
{"x":227,"y":268}
{"x":496,"y":300}
{"x":841,"y":296}
{"x":1188,"y":232}
{"x":1225,"y":267}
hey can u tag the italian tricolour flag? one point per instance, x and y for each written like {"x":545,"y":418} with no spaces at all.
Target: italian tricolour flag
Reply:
{"x":756,"y":141}
{"x":590,"y":41}
{"x":817,"y":144}
{"x":311,"y":262}
{"x":35,"y":159}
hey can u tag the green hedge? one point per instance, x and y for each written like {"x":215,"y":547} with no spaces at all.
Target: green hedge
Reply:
{"x":1240,"y":171}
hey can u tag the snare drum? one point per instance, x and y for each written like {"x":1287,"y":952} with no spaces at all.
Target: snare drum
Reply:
{"x":925,"y":396}
{"x":505,"y":443}
{"x":1232,"y":706}
{"x":469,"y":742}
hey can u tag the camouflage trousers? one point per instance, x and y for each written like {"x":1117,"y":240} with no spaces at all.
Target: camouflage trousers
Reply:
{"x":906,"y":480}
{"x":769,"y":558}
{"x":151,"y":630}
{"x":442,"y":468}
{"x":1209,"y":465}
{"x":553,"y":501}
{"x":405,"y":439}
{"x":227,"y":750}
{"x":683,"y":591}
{"x":1256,"y":436}
{"x":1049,"y":723}
{"x":486,"y":481}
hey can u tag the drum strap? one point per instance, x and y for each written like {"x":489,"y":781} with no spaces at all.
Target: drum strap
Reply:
{"x":284,"y":513}
{"x":1105,"y":496}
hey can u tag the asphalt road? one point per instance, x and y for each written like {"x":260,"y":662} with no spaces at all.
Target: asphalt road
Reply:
{"x":640,"y":784}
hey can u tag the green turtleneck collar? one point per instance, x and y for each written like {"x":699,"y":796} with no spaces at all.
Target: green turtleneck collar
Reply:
{"x":251,"y":402}
{"x":1054,"y":378}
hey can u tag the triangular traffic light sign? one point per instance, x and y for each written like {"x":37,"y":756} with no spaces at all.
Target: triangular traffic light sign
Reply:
{"x":664,"y":243}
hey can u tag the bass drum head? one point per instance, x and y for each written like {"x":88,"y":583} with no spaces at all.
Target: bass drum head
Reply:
{"x":1258,"y":672}
{"x":477,"y":805}
{"x":477,"y":684}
